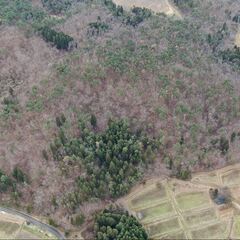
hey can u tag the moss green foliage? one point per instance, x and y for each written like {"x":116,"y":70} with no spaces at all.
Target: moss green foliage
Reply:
{"x":59,"y":39}
{"x":115,"y":223}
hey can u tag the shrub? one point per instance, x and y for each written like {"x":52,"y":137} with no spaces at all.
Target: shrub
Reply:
{"x":93,"y":120}
{"x":223,"y":145}
{"x":78,"y":220}
{"x":19,"y":175}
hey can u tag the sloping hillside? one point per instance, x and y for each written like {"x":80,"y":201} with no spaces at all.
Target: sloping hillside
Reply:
{"x":170,"y":78}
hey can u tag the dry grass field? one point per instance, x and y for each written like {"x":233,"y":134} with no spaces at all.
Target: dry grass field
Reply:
{"x":184,"y":209}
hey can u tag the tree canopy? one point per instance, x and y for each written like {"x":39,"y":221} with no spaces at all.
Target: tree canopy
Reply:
{"x":116,"y":224}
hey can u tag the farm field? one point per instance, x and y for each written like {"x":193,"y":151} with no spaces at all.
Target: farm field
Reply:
{"x":161,"y":6}
{"x":184,"y":209}
{"x":12,"y":227}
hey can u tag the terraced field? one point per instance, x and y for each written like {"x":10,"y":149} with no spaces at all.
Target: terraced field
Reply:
{"x":176,"y":209}
{"x":161,"y":6}
{"x":12,"y":227}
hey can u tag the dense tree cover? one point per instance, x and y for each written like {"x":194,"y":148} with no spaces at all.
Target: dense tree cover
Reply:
{"x":134,"y":18}
{"x":116,"y":224}
{"x":57,"y":6}
{"x":59,"y":39}
{"x":112,"y":159}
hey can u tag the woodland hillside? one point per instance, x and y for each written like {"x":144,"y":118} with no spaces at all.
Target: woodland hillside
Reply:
{"x":95,"y":98}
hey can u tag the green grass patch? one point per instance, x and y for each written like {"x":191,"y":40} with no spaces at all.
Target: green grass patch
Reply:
{"x":155,"y":212}
{"x":201,"y":217}
{"x":154,"y":195}
{"x":164,"y":227}
{"x":188,"y":201}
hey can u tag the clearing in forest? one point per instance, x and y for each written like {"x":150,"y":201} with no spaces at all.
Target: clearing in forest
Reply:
{"x":159,"y":6}
{"x":171,"y":208}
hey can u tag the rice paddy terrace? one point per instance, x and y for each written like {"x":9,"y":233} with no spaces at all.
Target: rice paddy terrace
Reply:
{"x":175,"y":209}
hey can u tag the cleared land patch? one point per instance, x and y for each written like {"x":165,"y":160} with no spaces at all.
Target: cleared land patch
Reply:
{"x":8,"y":229}
{"x":153,"y":195}
{"x":207,"y":178}
{"x":200,"y":217}
{"x":165,"y":226}
{"x":216,"y":231}
{"x":236,"y":227}
{"x":155,"y":212}
{"x":192,"y":200}
{"x":162,"y":6}
{"x":231,"y":177}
